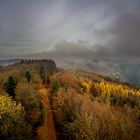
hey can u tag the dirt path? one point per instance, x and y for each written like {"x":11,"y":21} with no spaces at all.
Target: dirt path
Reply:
{"x":47,"y":130}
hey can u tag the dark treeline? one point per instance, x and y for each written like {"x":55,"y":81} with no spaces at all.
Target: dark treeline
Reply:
{"x":35,"y":60}
{"x":46,"y":67}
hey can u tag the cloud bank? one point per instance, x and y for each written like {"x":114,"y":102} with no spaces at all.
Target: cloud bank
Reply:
{"x":70,"y":29}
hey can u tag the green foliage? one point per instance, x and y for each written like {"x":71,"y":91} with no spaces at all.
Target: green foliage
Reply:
{"x":81,"y":90}
{"x":66,"y":88}
{"x":42,"y":111}
{"x":28,"y":76}
{"x":41,"y":118}
{"x":56,"y":86}
{"x":10,"y":86}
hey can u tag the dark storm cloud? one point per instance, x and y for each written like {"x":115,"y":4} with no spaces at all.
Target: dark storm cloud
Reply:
{"x":125,"y":41}
{"x":108,"y":28}
{"x":121,"y":39}
{"x":62,"y":49}
{"x":127,"y":34}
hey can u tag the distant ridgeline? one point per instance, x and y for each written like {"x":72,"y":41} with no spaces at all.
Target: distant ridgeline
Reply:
{"x":44,"y":64}
{"x":8,"y":62}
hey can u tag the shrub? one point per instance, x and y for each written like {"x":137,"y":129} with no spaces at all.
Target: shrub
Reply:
{"x":10,"y":86}
{"x":36,"y":80}
{"x":12,"y":123}
{"x":116,"y":93}
{"x":78,"y":117}
{"x":41,"y":116}
{"x":100,"y":121}
{"x":27,"y":95}
{"x":86,"y":85}
{"x":66,"y":78}
{"x":56,"y":86}
{"x":66,"y":88}
{"x":29,"y":98}
{"x":28,"y":76}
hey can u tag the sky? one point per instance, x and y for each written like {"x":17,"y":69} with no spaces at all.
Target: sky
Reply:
{"x":70,"y":28}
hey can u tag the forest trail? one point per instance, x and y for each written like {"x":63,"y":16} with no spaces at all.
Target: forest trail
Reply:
{"x":47,"y":130}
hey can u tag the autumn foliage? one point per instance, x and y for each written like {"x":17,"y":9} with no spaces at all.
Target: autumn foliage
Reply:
{"x":93,"y":108}
{"x":12,"y":122}
{"x":21,"y":108}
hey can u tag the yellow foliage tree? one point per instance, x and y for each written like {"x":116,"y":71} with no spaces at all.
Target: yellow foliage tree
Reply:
{"x":12,"y":123}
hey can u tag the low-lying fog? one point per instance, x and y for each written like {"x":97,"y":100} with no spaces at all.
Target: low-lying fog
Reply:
{"x":122,"y":70}
{"x":125,"y":71}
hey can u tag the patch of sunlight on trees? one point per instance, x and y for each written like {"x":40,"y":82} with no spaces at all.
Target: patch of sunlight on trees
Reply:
{"x":12,"y":122}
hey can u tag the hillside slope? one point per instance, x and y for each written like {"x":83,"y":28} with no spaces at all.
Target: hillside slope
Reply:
{"x":46,"y":104}
{"x":89,"y":106}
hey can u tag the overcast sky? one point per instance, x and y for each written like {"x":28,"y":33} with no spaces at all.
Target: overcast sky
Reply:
{"x":73,"y":28}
